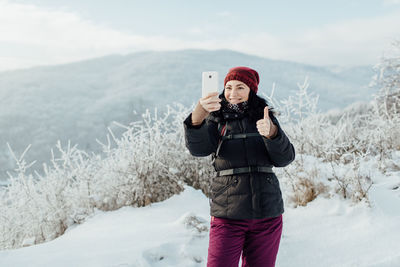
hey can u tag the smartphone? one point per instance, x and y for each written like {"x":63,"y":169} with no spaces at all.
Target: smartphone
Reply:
{"x":209,"y":83}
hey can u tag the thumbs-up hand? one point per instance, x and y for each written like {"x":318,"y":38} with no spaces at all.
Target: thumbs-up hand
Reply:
{"x":265,"y":126}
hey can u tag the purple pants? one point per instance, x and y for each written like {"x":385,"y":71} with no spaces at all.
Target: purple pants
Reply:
{"x":258,"y":239}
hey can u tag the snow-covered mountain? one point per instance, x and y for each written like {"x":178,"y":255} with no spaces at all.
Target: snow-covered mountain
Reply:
{"x":78,"y":101}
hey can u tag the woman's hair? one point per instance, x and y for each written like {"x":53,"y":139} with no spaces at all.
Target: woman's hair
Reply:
{"x":256,"y":107}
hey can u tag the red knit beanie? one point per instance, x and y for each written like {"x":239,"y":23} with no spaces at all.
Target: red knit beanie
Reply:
{"x":245,"y":75}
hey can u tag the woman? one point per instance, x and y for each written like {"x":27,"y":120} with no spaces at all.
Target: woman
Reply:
{"x":246,"y":141}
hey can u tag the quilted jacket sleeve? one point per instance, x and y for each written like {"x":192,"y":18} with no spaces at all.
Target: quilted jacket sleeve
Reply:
{"x":279,"y":148}
{"x":201,"y":140}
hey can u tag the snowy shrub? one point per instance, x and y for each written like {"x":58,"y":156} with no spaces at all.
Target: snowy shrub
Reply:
{"x":197,"y":224}
{"x":193,"y":171}
{"x":387,"y":103}
{"x":388,"y":80}
{"x":343,"y":141}
{"x":39,"y":209}
{"x":303,"y":182}
{"x":143,"y":167}
{"x":146,"y":164}
{"x":309,"y":132}
{"x":351,"y":182}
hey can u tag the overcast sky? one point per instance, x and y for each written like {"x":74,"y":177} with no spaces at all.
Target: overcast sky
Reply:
{"x":342,"y":32}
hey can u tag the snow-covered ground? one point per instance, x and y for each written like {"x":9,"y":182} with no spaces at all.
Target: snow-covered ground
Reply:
{"x":327,"y":232}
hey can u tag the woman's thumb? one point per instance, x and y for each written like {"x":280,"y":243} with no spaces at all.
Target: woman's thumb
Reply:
{"x":266,"y":113}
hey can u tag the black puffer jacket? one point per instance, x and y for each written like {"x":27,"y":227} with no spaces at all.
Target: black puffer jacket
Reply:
{"x":253,"y":195}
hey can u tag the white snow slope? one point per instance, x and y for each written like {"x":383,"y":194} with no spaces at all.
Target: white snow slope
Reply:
{"x":327,"y":232}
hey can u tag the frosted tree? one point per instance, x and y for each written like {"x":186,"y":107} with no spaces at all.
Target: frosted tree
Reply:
{"x":387,"y":103}
{"x":388,"y":80}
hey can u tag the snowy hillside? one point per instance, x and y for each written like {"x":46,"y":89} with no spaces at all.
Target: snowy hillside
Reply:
{"x":174,"y":233}
{"x":79,"y":101}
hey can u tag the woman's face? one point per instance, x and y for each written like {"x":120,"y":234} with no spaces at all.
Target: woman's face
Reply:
{"x":236,"y":92}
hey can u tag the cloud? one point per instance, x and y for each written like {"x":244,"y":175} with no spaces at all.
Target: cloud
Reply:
{"x":350,"y":42}
{"x":49,"y":36}
{"x":32,"y":35}
{"x":224,"y":14}
{"x":391,"y":2}
{"x":41,"y":36}
{"x":58,"y":36}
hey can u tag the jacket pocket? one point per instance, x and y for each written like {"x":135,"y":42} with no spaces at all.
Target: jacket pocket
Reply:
{"x":273,"y":181}
{"x":224,"y":188}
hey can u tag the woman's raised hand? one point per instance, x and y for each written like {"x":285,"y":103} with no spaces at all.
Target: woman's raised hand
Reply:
{"x":211,"y":102}
{"x":206,"y":105}
{"x":265,"y":126}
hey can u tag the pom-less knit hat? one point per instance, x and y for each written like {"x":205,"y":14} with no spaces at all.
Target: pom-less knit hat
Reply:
{"x":245,"y":75}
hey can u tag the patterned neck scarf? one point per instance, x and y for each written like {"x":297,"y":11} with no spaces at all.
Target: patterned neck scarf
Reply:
{"x":241,"y":107}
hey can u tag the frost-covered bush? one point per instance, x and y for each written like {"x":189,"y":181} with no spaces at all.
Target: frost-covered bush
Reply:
{"x":147,"y":164}
{"x":344,"y":140}
{"x":303,"y":182}
{"x":34,"y":210}
{"x":143,"y":167}
{"x":388,"y":80}
{"x":193,"y":171}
